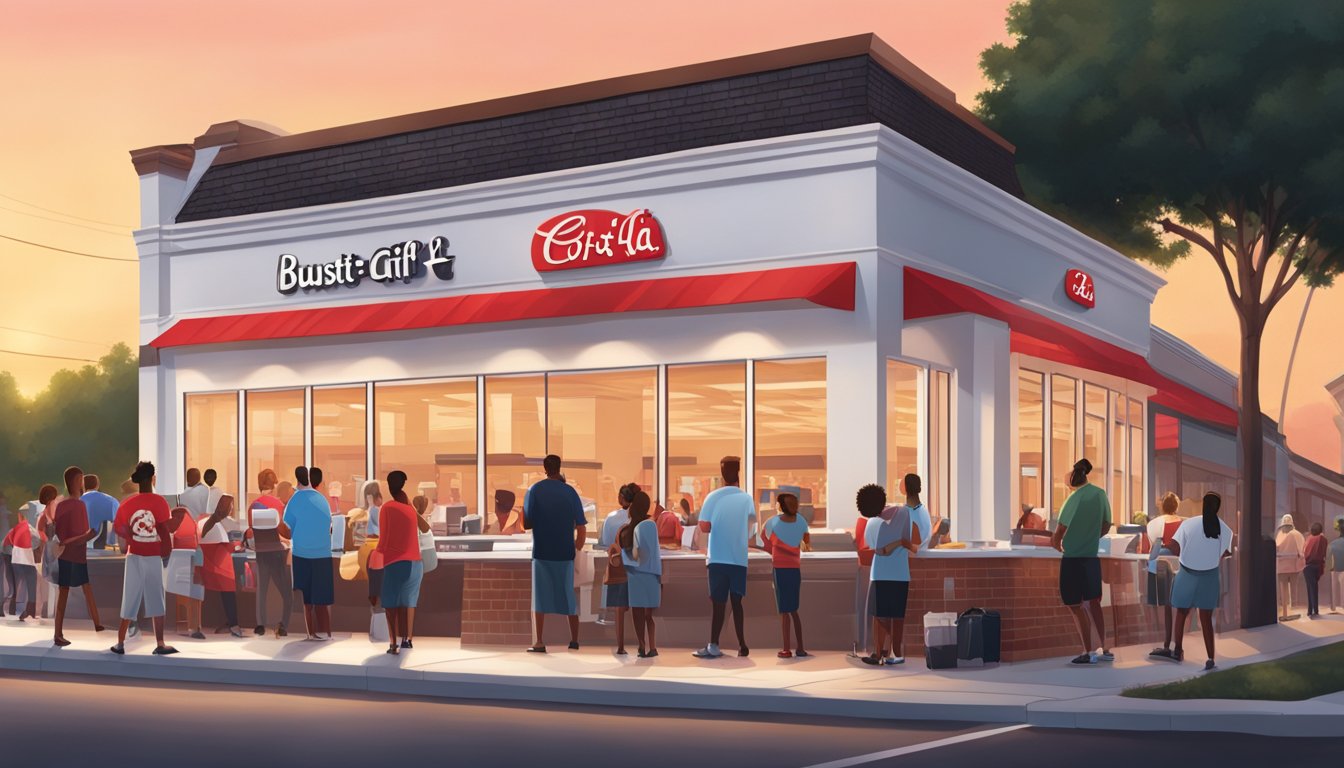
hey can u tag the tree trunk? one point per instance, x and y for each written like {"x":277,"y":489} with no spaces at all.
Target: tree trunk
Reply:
{"x":1256,"y":583}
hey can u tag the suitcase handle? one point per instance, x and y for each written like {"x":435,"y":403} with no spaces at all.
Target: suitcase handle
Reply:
{"x":974,"y":612}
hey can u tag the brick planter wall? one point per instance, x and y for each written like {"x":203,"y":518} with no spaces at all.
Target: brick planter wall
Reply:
{"x":1025,"y":592}
{"x":497,"y":603}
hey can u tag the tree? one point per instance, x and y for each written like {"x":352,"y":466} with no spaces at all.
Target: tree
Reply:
{"x":1171,"y":127}
{"x":86,"y":417}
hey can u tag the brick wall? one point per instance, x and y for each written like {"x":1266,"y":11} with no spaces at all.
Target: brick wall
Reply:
{"x":497,"y":603}
{"x":800,"y":99}
{"x":1025,"y":592}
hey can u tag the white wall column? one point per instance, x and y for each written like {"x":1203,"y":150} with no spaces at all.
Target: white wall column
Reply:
{"x":856,"y":452}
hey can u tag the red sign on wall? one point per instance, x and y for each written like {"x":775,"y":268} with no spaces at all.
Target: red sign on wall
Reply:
{"x":1079,"y":287}
{"x":596,"y":238}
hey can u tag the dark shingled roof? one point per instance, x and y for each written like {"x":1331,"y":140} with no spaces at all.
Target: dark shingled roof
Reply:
{"x":806,"y":97}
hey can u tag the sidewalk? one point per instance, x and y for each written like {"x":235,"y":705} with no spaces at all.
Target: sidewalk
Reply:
{"x":1043,"y":693}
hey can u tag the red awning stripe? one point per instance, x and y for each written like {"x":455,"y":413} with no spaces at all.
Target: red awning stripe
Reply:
{"x":825,"y":285}
{"x":928,"y":295}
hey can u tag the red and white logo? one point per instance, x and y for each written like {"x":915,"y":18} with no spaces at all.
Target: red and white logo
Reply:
{"x":142,"y":527}
{"x":596,"y":238}
{"x":1079,"y":287}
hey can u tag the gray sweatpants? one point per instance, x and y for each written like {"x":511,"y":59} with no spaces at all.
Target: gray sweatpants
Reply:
{"x":272,"y":569}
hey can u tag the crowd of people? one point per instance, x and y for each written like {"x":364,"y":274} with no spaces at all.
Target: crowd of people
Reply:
{"x":187,"y":552}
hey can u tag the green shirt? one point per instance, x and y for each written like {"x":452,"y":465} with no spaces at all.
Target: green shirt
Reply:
{"x":1084,"y":512}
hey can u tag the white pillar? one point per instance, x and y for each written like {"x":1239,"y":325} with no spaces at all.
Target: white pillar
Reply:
{"x":856,"y":453}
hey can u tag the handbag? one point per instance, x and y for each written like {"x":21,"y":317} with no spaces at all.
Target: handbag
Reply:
{"x":378,"y":628}
{"x":429,"y":554}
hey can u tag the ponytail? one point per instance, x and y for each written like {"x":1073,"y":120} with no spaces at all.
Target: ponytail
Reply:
{"x":396,"y":484}
{"x":1213,"y":527}
{"x":1081,"y":469}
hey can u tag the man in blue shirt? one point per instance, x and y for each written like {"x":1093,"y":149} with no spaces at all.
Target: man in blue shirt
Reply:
{"x":102,"y":510}
{"x":728,"y":515}
{"x":308,"y":517}
{"x":553,"y":512}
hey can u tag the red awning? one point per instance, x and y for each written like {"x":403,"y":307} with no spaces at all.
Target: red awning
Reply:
{"x":928,"y":295}
{"x":826,"y":285}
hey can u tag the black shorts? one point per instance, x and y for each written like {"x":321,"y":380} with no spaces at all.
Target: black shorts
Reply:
{"x":1079,"y":579}
{"x":72,"y":575}
{"x":890,"y":598}
{"x":315,"y":578}
{"x":726,"y":579}
{"x":376,"y":583}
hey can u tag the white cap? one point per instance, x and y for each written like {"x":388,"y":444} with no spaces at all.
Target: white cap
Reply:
{"x":1287,"y":520}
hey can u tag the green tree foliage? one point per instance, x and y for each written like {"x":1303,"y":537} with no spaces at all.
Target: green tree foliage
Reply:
{"x":86,"y":417}
{"x":1175,"y":127}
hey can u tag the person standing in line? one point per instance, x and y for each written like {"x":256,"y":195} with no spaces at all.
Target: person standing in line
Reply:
{"x":213,"y":494}
{"x":217,"y":571}
{"x":142,"y":522}
{"x":786,"y":537}
{"x":102,"y":510}
{"x":183,"y":574}
{"x":24,"y":541}
{"x":553,"y":512}
{"x":669,"y":527}
{"x":1161,"y":529}
{"x":870,"y":506}
{"x":687,"y":518}
{"x":399,"y":545}
{"x":269,"y":535}
{"x":1084,"y":519}
{"x":373,"y":502}
{"x":728,"y":517}
{"x":73,"y":535}
{"x":7,"y":553}
{"x":614,"y":582}
{"x":642,"y":561}
{"x":1335,"y":564}
{"x":1201,"y":542}
{"x":196,"y":497}
{"x":284,"y":491}
{"x":893,"y":537}
{"x":48,"y":564}
{"x":308,"y":517}
{"x":1289,"y":561}
{"x":1314,"y":553}
{"x":919,"y":514}
{"x":421,"y":505}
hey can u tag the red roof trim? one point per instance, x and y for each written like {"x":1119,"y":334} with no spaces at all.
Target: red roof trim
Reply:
{"x":825,"y":285}
{"x":928,"y":295}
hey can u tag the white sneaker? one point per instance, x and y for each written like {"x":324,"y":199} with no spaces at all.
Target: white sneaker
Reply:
{"x":710,"y":651}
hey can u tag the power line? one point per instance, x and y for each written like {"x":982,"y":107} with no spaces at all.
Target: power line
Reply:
{"x":63,"y":250}
{"x":62,"y":213}
{"x":49,"y":357}
{"x":60,"y":221}
{"x":52,"y":336}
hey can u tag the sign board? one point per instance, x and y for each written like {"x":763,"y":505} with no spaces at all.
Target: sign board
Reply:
{"x":403,"y":262}
{"x":596,"y":238}
{"x":1079,"y":287}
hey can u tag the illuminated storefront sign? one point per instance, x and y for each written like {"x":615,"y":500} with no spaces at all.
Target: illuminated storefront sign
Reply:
{"x":1080,"y":287}
{"x":596,"y":238}
{"x":403,"y":261}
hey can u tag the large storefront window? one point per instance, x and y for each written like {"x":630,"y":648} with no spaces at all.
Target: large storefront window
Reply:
{"x":274,"y":435}
{"x":603,"y":425}
{"x":903,"y":427}
{"x":791,"y":432}
{"x":939,"y":483}
{"x":1030,"y":439}
{"x":706,"y":420}
{"x":1119,"y":449}
{"x":1138,"y":493}
{"x":1063,"y":437}
{"x":340,"y":444}
{"x":211,"y":437}
{"x":1094,"y":432}
{"x":515,"y":435}
{"x":427,"y":429}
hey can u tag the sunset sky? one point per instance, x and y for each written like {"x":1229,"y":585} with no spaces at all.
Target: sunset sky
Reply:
{"x":85,"y":82}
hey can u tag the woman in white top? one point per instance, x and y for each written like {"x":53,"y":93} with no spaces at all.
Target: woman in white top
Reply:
{"x":1291,"y":548}
{"x":1202,"y":543}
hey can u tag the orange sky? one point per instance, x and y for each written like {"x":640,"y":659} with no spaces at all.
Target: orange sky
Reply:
{"x":85,"y":82}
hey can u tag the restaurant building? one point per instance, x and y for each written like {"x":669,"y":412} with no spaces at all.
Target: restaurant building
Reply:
{"x":812,"y":258}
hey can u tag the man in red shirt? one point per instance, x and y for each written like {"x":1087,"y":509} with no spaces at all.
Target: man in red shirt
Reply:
{"x":142,"y":522}
{"x":72,"y":535}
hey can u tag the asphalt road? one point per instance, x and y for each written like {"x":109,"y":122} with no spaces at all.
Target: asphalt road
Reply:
{"x":67,"y":721}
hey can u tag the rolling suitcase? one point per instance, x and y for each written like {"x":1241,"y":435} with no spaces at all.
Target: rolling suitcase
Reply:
{"x":978,"y":637}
